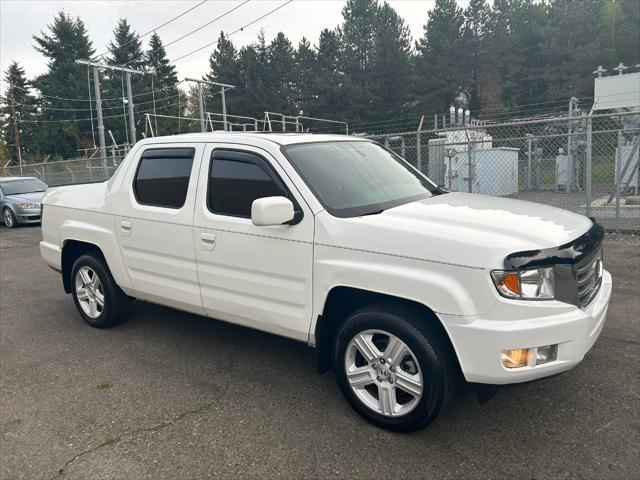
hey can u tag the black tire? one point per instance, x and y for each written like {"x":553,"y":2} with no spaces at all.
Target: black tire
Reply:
{"x":116,"y":302}
{"x":9,"y":218}
{"x":429,"y":346}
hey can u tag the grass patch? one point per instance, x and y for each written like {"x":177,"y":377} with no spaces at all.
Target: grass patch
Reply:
{"x":107,"y":441}
{"x":103,"y":386}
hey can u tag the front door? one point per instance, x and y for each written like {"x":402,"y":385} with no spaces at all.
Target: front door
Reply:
{"x":251,"y":275}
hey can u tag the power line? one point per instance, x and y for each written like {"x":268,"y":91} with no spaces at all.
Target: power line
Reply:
{"x":206,"y":24}
{"x":73,"y":120}
{"x":138,"y":37}
{"x":233,"y":33}
{"x":45,"y":107}
{"x":104,"y":99}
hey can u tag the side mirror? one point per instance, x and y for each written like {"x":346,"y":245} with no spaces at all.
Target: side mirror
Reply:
{"x":271,"y":211}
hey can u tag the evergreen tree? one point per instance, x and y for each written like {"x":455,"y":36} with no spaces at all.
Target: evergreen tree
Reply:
{"x":165,"y":80}
{"x":510,"y":55}
{"x":65,"y":131}
{"x":224,"y":68}
{"x":357,"y":35}
{"x":440,"y":69}
{"x":157,"y":60}
{"x":280,"y":74}
{"x":329,"y":76}
{"x":126,"y":50}
{"x":25,"y":110}
{"x":305,"y":59}
{"x":390,"y":80}
{"x":251,"y":96}
{"x":476,"y":29}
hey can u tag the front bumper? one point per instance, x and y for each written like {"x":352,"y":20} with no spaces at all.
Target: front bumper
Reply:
{"x":479,"y":340}
{"x":31,"y":215}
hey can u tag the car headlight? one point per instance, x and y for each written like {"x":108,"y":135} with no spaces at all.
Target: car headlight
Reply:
{"x":535,"y":284}
{"x":25,"y":206}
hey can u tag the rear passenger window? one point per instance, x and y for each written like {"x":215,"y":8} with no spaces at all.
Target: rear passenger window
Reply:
{"x":237,"y":179}
{"x":163,"y":176}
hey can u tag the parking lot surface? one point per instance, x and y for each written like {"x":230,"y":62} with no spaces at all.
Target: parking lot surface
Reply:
{"x":172,"y":395}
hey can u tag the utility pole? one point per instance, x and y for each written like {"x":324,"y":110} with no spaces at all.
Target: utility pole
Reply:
{"x":573,"y":104}
{"x":223,"y":88}
{"x":203,"y":126}
{"x":101,"y":142}
{"x":132,"y":121}
{"x":16,"y":131}
{"x":96,"y":85}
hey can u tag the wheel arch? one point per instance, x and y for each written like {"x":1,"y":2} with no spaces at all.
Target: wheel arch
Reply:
{"x":341,"y":301}
{"x":71,"y":251}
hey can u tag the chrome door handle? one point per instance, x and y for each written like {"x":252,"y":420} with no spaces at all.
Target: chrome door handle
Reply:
{"x":208,"y":241}
{"x":125,"y":228}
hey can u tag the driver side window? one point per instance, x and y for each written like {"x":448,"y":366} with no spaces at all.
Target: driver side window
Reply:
{"x":236,"y":179}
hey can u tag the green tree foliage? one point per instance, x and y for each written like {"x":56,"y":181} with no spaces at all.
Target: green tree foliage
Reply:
{"x":253,"y":64}
{"x":165,"y":85}
{"x":329,"y":75}
{"x":63,"y":130}
{"x":126,"y":50}
{"x":440,"y":68}
{"x":280,"y":74}
{"x":24,"y":104}
{"x":514,"y":57}
{"x":305,"y":89}
{"x":358,"y":39}
{"x":391,"y":65}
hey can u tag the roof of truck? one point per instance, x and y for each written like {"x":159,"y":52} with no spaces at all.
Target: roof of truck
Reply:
{"x":278,"y":138}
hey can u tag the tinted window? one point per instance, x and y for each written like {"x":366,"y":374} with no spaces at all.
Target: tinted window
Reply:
{"x":237,"y":179}
{"x":163,"y":177}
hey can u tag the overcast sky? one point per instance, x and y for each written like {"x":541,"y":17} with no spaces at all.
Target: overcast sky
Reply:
{"x":19,"y":20}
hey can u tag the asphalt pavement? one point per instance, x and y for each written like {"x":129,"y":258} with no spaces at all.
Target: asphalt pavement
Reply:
{"x":176,"y":396}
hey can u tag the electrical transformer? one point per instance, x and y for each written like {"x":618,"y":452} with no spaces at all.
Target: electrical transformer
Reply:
{"x":626,"y":168}
{"x":491,"y":171}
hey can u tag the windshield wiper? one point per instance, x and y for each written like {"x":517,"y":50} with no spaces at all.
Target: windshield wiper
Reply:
{"x":375,"y":212}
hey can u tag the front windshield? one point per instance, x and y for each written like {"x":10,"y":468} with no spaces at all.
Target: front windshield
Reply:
{"x":353,"y":178}
{"x":22,"y":185}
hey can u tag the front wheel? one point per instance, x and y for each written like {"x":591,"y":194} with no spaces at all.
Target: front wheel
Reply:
{"x":9,"y":218}
{"x":96,"y":295}
{"x":394,"y":367}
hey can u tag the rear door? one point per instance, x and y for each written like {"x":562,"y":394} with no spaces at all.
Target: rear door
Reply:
{"x":156,"y":231}
{"x":251,"y":275}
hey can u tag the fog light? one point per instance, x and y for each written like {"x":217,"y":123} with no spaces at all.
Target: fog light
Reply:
{"x":515,"y":358}
{"x":546,"y":354}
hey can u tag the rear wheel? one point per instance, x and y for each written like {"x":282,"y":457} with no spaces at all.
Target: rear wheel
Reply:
{"x":99,"y":300}
{"x":9,"y":218}
{"x":393,"y":367}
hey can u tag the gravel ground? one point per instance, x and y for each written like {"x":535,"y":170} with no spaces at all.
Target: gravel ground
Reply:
{"x":172,"y":395}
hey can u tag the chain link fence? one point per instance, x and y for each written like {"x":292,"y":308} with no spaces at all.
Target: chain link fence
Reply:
{"x":587,"y":164}
{"x":66,"y":172}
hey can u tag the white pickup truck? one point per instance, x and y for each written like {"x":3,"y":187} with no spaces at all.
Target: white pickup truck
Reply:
{"x":401,"y":287}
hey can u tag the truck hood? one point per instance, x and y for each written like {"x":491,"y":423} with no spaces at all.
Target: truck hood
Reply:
{"x":459,"y":228}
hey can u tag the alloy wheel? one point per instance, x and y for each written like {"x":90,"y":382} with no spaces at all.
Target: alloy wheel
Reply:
{"x":8,"y":218}
{"x":89,"y":292}
{"x":383,"y":373}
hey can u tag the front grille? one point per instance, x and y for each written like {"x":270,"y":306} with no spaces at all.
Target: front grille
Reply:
{"x":588,"y":276}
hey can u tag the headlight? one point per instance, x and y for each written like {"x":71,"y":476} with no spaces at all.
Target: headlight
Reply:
{"x":25,"y":206}
{"x":535,"y":284}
